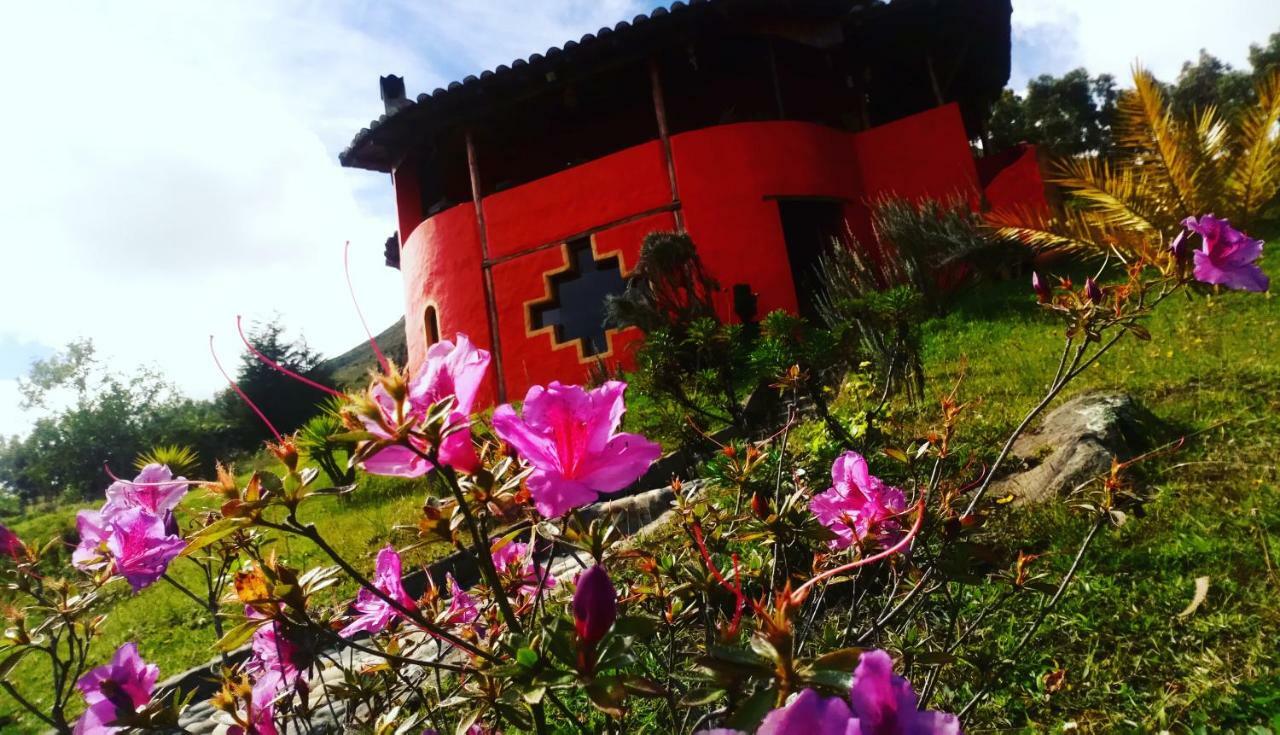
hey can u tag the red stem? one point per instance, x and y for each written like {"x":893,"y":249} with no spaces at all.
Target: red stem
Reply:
{"x":242,"y":395}
{"x":346,"y":267}
{"x":277,"y":366}
{"x":735,"y":589}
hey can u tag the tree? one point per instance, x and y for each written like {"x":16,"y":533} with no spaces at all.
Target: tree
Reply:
{"x":287,"y":403}
{"x":1067,"y":115}
{"x":1211,"y":82}
{"x":1265,"y":58}
{"x":110,"y":417}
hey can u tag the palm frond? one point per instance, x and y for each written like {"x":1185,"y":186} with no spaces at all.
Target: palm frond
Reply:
{"x":1116,"y":197}
{"x":1072,"y":231}
{"x":1151,"y":137}
{"x":1254,"y":177}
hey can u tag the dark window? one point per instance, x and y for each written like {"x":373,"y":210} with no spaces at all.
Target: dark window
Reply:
{"x":444,"y":180}
{"x":431,"y":325}
{"x":570,"y":123}
{"x":575,"y":308}
{"x":810,"y":227}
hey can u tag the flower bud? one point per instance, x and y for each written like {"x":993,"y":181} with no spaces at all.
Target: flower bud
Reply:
{"x":759,"y":506}
{"x":10,"y":544}
{"x":1043,"y":292}
{"x":595,"y":605}
{"x":1092,"y":290}
{"x":1180,"y":247}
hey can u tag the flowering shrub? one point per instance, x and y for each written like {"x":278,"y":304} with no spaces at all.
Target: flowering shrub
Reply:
{"x":773,"y":610}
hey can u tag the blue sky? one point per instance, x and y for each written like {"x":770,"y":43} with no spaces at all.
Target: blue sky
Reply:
{"x":171,"y":165}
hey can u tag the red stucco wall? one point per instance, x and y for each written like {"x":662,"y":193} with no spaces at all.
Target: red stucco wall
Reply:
{"x":1014,"y":180}
{"x":729,"y":178}
{"x":578,"y":199}
{"x":440,"y":263}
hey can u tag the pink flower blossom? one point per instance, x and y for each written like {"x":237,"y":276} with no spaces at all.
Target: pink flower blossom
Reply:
{"x":155,"y":490}
{"x":90,"y":553}
{"x":10,"y":544}
{"x":462,"y":607}
{"x":810,"y":714}
{"x":375,"y":614}
{"x":115,"y":690}
{"x":1227,"y":257}
{"x":571,"y":438}
{"x":276,"y":667}
{"x":449,"y":371}
{"x":136,"y":543}
{"x":880,"y":703}
{"x":512,"y":561}
{"x":858,"y":504}
{"x":885,"y":704}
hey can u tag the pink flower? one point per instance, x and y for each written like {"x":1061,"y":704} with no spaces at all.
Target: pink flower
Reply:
{"x":1228,"y":257}
{"x":449,"y":371}
{"x":1042,"y":290}
{"x":155,"y":490}
{"x":115,"y":691}
{"x":879,"y":704}
{"x":375,"y":614}
{"x":90,"y":553}
{"x":858,"y":504}
{"x":810,"y":714}
{"x":462,"y":607}
{"x":136,"y":544}
{"x":595,"y":605}
{"x":10,"y":544}
{"x":571,"y":438}
{"x":275,"y":667}
{"x":512,"y":561}
{"x":885,"y":704}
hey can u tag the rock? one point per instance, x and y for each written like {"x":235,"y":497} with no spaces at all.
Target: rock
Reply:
{"x":1075,"y":444}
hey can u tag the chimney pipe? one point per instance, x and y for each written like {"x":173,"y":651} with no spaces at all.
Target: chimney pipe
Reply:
{"x":392,"y":88}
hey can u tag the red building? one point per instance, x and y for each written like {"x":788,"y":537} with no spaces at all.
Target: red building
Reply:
{"x":758,"y":126}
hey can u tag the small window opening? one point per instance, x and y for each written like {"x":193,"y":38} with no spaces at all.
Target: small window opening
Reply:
{"x":431,"y":325}
{"x":576,"y":307}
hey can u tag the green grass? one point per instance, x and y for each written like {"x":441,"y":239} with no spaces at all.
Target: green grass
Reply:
{"x":171,"y":631}
{"x":1212,"y":370}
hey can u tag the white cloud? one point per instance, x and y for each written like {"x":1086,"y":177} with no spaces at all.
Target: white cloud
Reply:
{"x":1054,"y":36}
{"x":171,"y":165}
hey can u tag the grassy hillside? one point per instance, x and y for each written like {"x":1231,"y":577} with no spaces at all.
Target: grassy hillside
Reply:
{"x":351,"y":368}
{"x":1131,"y":662}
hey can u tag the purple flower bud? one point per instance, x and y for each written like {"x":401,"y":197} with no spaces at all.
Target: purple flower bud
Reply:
{"x":595,"y":605}
{"x":10,"y":544}
{"x":1180,"y":247}
{"x":1092,"y":290}
{"x":1043,"y":292}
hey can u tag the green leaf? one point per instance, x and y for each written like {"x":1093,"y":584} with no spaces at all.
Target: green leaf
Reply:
{"x":12,"y":660}
{"x":838,"y":680}
{"x":607,"y":695}
{"x":843,"y":659}
{"x":527,"y":657}
{"x":642,"y":687}
{"x":895,"y":453}
{"x":214,"y":532}
{"x":749,"y":714}
{"x":533,"y":695}
{"x":239,"y":635}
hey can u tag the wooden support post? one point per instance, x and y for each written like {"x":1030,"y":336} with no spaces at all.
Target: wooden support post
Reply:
{"x":933,"y":81}
{"x":664,"y":135}
{"x":490,"y":298}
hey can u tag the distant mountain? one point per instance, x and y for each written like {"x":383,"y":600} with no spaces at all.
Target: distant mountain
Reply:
{"x":351,"y":368}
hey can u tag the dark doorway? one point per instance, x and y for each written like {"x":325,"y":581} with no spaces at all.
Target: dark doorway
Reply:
{"x":576,"y":309}
{"x":810,"y":227}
